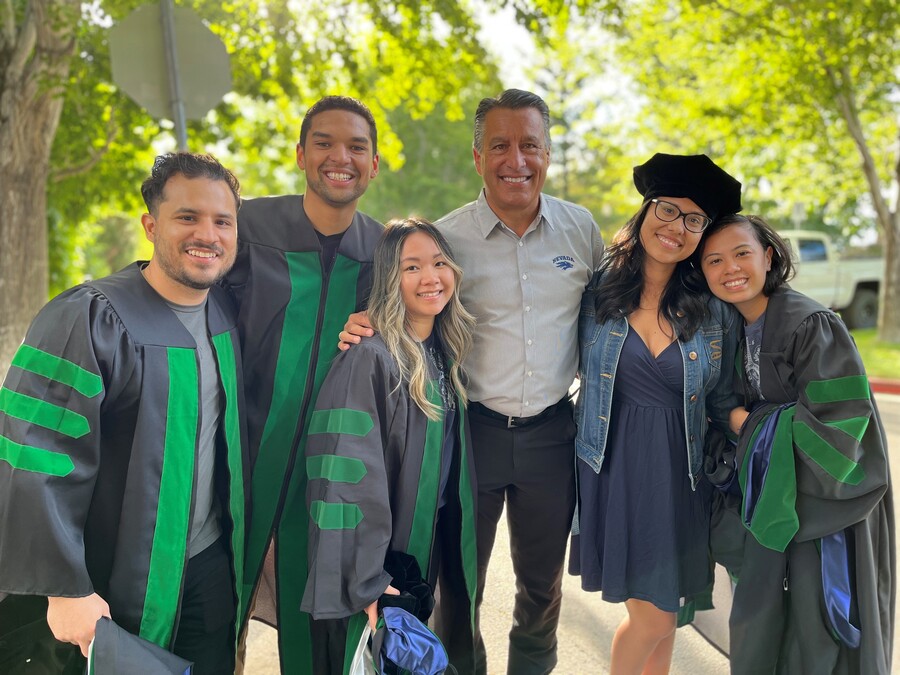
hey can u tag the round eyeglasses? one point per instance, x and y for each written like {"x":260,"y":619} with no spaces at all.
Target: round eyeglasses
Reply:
{"x":668,"y":212}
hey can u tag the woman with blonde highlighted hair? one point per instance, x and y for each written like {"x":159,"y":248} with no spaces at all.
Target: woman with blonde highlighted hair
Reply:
{"x":391,"y":478}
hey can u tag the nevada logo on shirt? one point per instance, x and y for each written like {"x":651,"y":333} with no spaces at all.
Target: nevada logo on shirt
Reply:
{"x":564,"y":262}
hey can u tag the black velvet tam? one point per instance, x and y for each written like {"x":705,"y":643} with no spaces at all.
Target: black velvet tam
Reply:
{"x":693,"y":176}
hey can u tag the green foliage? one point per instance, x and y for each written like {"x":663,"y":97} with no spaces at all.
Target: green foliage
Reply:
{"x":284,"y":56}
{"x":438,"y":173}
{"x":882,"y":359}
{"x":764,"y":85}
{"x":571,"y":73}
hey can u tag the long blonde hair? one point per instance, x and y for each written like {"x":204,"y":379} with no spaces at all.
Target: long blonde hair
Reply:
{"x":388,"y":315}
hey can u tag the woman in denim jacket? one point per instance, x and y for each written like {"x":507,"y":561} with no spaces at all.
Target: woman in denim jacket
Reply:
{"x":653,"y":346}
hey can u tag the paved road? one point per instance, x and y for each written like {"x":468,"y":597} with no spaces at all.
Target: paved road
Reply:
{"x":587,"y":627}
{"x":588,"y":623}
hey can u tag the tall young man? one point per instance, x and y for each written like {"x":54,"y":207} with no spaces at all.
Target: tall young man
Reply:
{"x":121,"y":445}
{"x":303,"y":264}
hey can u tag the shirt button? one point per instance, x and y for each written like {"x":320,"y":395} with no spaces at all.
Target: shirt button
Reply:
{"x":526,"y":402}
{"x":527,"y":308}
{"x":525,"y":276}
{"x":692,"y":356}
{"x":529,"y":342}
{"x":529,"y":373}
{"x":692,"y":438}
{"x":693,"y":398}
{"x":521,"y":244}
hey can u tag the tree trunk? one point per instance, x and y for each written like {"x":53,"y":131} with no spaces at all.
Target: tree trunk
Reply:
{"x":34,"y":64}
{"x":888,"y":222}
{"x":889,"y":301}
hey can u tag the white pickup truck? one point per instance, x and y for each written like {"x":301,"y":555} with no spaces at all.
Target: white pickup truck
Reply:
{"x":849,"y":286}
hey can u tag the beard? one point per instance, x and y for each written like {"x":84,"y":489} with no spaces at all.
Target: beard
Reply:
{"x":181,"y":274}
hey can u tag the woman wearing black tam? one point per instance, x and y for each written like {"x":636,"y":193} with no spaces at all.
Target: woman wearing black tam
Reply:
{"x":654,"y":344}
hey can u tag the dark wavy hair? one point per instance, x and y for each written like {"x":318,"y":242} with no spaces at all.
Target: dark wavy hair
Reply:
{"x":619,"y":281}
{"x":782,"y":269}
{"x":189,"y":165}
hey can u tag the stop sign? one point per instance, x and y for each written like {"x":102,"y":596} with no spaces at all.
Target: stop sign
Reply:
{"x":138,"y":58}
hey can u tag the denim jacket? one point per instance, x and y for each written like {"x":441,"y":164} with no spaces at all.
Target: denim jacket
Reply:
{"x":711,"y":349}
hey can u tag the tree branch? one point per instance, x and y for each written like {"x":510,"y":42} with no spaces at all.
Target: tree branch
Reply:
{"x":848,"y":111}
{"x":23,"y":47}
{"x":896,"y":214}
{"x":94,"y":156}
{"x":9,"y":24}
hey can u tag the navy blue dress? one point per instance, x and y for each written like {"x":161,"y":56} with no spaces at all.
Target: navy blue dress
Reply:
{"x":644,"y":532}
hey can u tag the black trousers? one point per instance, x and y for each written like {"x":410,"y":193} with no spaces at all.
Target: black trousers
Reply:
{"x":206,"y":625}
{"x":532,"y":471}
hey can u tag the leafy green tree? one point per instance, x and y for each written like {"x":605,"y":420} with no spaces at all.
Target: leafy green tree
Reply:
{"x":571,"y":71}
{"x":801,"y":95}
{"x":438,"y":173}
{"x":69,"y":136}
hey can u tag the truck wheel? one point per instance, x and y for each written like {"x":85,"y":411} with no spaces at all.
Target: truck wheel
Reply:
{"x":863,"y":311}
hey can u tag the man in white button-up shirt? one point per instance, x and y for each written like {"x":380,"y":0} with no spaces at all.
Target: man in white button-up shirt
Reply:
{"x":526,"y":257}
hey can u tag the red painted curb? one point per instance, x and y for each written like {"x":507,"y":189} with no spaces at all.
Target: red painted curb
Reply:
{"x":884,"y":386}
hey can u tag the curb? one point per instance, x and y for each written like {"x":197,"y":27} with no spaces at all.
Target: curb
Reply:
{"x":884,"y":386}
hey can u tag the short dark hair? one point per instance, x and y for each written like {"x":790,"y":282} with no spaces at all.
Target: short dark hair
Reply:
{"x":339,"y":103}
{"x":189,"y":165}
{"x":782,"y":268}
{"x":511,"y":99}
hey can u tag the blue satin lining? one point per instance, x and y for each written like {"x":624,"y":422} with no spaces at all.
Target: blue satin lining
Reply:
{"x":409,"y":644}
{"x":758,"y":464}
{"x":836,"y":585}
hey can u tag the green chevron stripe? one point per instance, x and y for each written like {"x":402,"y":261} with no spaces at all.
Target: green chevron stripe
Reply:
{"x":336,"y":469}
{"x":332,"y":516}
{"x":832,"y":461}
{"x":854,"y":426}
{"x":43,"y":414}
{"x":36,"y":460}
{"x":52,"y":367}
{"x":341,"y":421}
{"x":835,"y":390}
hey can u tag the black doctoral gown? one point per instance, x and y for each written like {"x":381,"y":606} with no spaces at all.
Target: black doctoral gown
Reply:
{"x":374,"y":464}
{"x":99,"y":418}
{"x":291,"y":309}
{"x":827,"y":473}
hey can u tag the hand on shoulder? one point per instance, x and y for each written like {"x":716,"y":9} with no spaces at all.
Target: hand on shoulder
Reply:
{"x":356,"y":328}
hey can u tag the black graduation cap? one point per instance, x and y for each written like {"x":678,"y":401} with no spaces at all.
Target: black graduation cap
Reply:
{"x":693,"y":176}
{"x":115,"y":650}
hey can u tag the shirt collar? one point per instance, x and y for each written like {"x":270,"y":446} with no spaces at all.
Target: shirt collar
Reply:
{"x":488,"y":220}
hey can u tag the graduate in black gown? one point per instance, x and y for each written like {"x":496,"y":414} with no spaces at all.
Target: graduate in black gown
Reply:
{"x":815,"y":586}
{"x":389,"y":462}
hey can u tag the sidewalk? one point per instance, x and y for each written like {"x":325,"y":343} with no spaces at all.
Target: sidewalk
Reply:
{"x":585,"y":634}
